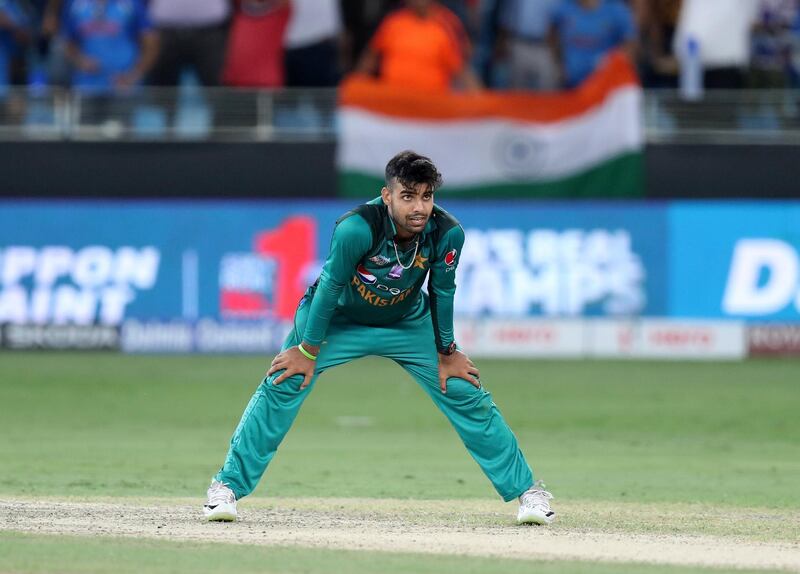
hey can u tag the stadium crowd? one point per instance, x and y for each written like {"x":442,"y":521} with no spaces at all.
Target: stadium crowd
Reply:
{"x":107,"y":46}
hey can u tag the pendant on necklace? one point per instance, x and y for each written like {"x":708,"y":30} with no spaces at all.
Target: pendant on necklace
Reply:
{"x":396,"y":272}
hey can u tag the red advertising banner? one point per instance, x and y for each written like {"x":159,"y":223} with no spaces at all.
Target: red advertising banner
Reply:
{"x":772,"y":340}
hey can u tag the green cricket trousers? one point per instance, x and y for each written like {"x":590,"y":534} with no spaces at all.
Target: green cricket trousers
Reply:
{"x":409,"y":342}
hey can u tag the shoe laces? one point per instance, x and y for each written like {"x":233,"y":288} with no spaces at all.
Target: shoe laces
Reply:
{"x":536,"y":497}
{"x":219,"y":493}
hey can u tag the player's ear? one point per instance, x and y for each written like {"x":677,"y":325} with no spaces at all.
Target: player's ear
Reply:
{"x":385,"y":193}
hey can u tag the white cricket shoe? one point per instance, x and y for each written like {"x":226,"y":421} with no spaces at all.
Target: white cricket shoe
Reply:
{"x":534,"y":505}
{"x":221,"y":503}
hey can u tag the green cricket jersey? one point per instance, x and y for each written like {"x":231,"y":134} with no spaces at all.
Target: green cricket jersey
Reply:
{"x":363,"y":279}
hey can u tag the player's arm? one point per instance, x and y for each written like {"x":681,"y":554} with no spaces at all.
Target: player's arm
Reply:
{"x":442,"y":290}
{"x":351,"y":240}
{"x":442,"y":285}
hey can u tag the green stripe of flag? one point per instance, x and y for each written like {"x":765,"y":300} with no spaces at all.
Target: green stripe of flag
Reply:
{"x":620,"y":178}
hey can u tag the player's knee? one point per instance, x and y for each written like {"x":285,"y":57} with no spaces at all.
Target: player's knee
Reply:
{"x":462,"y":390}
{"x":287,"y":385}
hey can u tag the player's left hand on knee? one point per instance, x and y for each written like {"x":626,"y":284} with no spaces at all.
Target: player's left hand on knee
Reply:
{"x":458,"y":365}
{"x":294,"y":363}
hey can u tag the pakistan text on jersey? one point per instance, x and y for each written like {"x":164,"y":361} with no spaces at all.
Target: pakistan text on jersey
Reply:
{"x":378,"y":300}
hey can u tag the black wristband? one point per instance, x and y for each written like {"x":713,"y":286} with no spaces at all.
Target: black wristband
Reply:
{"x":449,"y":349}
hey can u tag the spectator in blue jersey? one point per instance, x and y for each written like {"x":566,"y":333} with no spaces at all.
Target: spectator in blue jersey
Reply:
{"x":110,"y":43}
{"x":582,"y":32}
{"x":14,"y":34}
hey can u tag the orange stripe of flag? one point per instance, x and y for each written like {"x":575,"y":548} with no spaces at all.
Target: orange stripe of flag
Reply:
{"x":373,"y":96}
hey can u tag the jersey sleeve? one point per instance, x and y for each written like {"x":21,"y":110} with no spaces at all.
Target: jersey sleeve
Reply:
{"x":442,"y":285}
{"x":351,"y":240}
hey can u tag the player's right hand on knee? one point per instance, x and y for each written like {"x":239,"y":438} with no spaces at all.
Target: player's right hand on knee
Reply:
{"x":295,"y":363}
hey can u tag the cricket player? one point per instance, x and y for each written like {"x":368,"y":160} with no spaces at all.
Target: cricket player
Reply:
{"x":368,"y":300}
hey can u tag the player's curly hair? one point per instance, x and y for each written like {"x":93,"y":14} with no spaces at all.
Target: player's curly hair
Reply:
{"x":411,"y":169}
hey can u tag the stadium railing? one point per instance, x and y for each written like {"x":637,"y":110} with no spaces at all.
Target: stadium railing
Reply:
{"x":220,"y":114}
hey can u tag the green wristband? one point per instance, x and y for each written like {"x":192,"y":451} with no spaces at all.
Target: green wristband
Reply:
{"x":306,"y":354}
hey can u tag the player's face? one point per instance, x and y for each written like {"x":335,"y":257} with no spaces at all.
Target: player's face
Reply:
{"x":409,"y":207}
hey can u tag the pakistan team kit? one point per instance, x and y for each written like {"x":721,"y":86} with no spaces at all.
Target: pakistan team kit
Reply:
{"x":369,"y":301}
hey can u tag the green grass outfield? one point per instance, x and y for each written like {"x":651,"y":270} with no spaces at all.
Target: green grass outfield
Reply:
{"x":720,"y":434}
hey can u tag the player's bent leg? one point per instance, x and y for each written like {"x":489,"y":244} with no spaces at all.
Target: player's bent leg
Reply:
{"x":272,"y":409}
{"x":484,"y":432}
{"x":264,"y":423}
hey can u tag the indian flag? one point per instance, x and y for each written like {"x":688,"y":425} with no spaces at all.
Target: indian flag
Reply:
{"x":583,"y":143}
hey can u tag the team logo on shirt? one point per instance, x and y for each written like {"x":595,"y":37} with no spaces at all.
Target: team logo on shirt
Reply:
{"x":380,"y":260}
{"x":450,"y":258}
{"x":395,"y":272}
{"x":366,"y":276}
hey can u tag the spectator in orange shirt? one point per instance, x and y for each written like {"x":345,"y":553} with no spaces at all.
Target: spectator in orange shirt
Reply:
{"x":422,"y":46}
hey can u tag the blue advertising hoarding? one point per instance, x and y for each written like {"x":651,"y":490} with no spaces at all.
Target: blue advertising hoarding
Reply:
{"x":176,"y":269}
{"x":89,"y":262}
{"x":735,"y":260}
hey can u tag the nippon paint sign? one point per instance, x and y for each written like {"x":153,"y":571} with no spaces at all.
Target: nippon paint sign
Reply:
{"x":56,"y":284}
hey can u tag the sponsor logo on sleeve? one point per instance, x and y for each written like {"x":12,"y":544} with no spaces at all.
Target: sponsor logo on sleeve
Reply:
{"x":450,"y":259}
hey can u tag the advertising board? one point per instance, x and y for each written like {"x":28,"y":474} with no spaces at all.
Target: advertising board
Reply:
{"x":735,"y":260}
{"x":667,"y":339}
{"x":227,"y":276}
{"x":774,"y":340}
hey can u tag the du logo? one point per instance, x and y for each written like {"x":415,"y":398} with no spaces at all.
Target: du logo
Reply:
{"x":764,"y":278}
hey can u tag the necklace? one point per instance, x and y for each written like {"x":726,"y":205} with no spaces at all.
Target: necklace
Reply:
{"x":397,"y":255}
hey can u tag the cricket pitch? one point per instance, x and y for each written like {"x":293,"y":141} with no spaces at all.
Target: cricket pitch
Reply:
{"x":634,"y":533}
